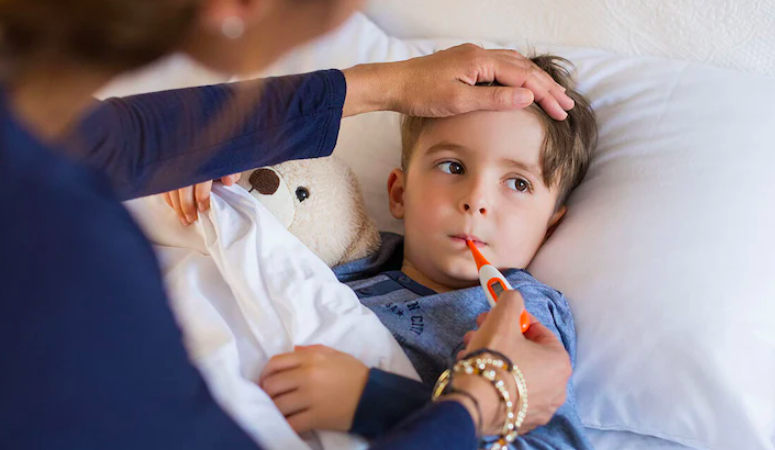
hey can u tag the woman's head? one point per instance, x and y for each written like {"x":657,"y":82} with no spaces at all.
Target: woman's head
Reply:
{"x":118,"y":35}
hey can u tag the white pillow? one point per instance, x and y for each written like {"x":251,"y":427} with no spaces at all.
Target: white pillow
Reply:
{"x":735,"y":34}
{"x":666,"y":252}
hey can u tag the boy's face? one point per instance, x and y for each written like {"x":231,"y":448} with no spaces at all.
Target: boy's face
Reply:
{"x":476,"y":175}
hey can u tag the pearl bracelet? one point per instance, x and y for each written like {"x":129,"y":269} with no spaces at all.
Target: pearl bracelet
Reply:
{"x":489,"y":368}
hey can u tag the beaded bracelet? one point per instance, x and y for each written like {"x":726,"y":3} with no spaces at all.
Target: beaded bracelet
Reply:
{"x":489,"y":368}
{"x":483,"y":351}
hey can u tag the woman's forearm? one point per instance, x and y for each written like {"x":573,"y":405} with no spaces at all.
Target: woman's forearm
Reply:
{"x":161,"y":141}
{"x":370,"y":87}
{"x":444,"y":425}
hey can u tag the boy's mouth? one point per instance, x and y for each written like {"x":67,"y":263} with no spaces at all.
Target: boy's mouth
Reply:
{"x":468,"y":237}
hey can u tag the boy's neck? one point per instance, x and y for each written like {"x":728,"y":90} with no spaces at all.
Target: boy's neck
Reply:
{"x":417,"y":276}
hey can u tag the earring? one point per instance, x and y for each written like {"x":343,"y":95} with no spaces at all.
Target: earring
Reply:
{"x":233,"y":27}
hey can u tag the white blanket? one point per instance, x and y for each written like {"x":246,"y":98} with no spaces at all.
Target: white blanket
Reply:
{"x":243,"y":290}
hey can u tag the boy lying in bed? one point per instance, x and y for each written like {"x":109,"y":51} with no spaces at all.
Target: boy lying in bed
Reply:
{"x":500,"y":179}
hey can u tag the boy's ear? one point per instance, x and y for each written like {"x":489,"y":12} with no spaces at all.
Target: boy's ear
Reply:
{"x":395,"y":186}
{"x":555,"y":221}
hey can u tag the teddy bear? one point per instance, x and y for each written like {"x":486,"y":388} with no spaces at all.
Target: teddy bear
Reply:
{"x":321,"y":203}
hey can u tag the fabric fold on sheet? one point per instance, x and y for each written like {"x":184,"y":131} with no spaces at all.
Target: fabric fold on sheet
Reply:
{"x":244,"y":289}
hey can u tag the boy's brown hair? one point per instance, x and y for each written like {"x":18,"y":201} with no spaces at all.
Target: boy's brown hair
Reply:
{"x":568,"y":144}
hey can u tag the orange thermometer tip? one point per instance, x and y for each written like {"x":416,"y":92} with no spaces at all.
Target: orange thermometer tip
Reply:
{"x":478,"y":257}
{"x":481,"y":261}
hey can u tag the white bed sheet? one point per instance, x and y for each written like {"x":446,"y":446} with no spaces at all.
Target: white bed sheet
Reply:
{"x":244,"y":289}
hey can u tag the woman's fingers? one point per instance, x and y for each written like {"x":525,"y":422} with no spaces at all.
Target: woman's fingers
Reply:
{"x":547,"y":101}
{"x":166,"y":197}
{"x":539,"y":334}
{"x":523,"y":73}
{"x":202,"y":195}
{"x":175,"y":199}
{"x":231,"y":179}
{"x":539,"y":75}
{"x":188,"y":203}
{"x":467,"y":337}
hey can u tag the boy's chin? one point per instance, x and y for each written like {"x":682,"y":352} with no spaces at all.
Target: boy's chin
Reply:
{"x":460,"y":277}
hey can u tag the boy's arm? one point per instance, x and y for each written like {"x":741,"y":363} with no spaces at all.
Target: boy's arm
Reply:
{"x":317,"y":387}
{"x":564,"y":431}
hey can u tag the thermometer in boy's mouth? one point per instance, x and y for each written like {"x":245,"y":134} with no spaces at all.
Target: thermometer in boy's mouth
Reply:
{"x":494,"y":283}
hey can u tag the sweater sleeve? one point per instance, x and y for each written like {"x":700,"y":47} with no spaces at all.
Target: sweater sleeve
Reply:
{"x":156,"y":142}
{"x":443,"y":425}
{"x":386,"y":400}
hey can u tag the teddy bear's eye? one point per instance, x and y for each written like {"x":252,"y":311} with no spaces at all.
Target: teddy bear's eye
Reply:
{"x":302,"y":194}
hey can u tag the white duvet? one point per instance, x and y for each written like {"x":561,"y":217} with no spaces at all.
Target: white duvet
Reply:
{"x":243,"y":290}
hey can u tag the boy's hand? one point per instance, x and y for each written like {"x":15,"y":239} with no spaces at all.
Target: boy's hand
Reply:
{"x":186,"y":201}
{"x":315,"y":387}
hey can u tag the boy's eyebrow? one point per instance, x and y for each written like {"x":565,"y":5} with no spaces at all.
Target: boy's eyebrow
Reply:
{"x":446,"y":145}
{"x":535,"y":170}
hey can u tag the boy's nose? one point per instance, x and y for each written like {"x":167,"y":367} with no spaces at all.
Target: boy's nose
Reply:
{"x":468,"y":208}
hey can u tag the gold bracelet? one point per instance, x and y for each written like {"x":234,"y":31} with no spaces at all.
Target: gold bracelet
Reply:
{"x":490,"y":368}
{"x":519,"y":379}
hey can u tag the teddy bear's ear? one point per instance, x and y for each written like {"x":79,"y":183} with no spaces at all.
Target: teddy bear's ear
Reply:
{"x":366,"y":240}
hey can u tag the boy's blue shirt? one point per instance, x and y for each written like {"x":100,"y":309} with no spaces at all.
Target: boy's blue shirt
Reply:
{"x":430,"y":327}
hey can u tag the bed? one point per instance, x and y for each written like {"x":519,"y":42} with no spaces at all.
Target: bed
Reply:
{"x":666,"y":252}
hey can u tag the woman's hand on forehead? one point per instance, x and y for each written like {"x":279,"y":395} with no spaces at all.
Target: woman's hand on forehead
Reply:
{"x":445,"y":84}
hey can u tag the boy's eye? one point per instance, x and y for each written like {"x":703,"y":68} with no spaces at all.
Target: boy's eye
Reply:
{"x":518,"y":184}
{"x":451,"y":167}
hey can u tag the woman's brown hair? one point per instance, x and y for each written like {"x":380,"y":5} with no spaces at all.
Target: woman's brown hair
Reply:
{"x":114,"y":34}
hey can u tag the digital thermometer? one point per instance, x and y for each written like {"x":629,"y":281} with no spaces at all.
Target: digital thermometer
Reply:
{"x":494,"y":283}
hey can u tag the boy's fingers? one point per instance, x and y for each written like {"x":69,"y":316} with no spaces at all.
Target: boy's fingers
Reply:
{"x":283,"y":383}
{"x":319,"y":348}
{"x":280,"y":363}
{"x":292,"y":403}
{"x":187,"y":203}
{"x":302,"y":421}
{"x":202,"y":195}
{"x":480,"y":319}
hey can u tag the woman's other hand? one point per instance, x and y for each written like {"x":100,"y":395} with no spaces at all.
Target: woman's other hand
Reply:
{"x":188,"y":201}
{"x":539,"y":354}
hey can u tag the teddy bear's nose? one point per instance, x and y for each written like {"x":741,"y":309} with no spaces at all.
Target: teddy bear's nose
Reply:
{"x":265,"y":181}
